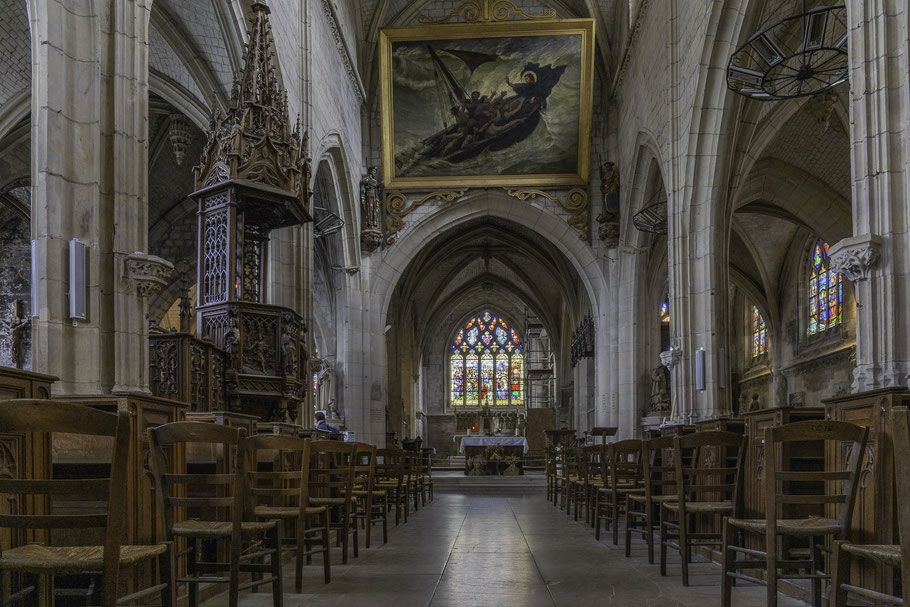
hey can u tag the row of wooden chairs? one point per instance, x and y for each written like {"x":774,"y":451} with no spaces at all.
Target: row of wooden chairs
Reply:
{"x":265,"y":495}
{"x":687,"y":492}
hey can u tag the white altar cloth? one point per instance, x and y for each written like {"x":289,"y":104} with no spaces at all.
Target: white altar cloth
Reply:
{"x":483,"y":441}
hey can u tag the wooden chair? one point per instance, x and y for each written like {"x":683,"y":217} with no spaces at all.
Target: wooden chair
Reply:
{"x":785,"y":488}
{"x":426,"y":474}
{"x":895,"y":556}
{"x":707,"y":485}
{"x":34,"y":516}
{"x":210,"y":521}
{"x":589,"y":480}
{"x":331,"y":484}
{"x":372,"y":502}
{"x":623,"y":475}
{"x":569,"y":477}
{"x":412,"y":477}
{"x":390,"y":477}
{"x":557,"y":441}
{"x":643,"y":509}
{"x":282,"y":493}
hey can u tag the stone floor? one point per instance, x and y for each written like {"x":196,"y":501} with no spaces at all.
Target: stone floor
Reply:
{"x":501,"y":549}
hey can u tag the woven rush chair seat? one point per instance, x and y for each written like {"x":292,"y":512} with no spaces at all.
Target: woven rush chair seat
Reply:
{"x":722,"y":507}
{"x":375,"y":493}
{"x":216,"y":529}
{"x":641,"y":498}
{"x":330,"y":501}
{"x":285,"y":512}
{"x":623,"y":489}
{"x":807,"y":527}
{"x":887,"y":554}
{"x":72,"y":559}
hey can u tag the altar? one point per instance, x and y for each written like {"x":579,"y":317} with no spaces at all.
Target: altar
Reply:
{"x":493,"y":455}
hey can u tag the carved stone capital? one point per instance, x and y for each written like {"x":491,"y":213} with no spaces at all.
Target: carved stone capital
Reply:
{"x":855,"y":257}
{"x":370,"y":240}
{"x":671,"y":357}
{"x":147,"y":273}
{"x":608,"y":232}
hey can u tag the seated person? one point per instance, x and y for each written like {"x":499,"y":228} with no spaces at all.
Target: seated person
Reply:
{"x":321,"y":424}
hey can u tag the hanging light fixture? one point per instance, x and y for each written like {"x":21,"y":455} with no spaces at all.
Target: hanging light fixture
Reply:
{"x":801,"y":55}
{"x":652,"y":218}
{"x":178,"y":134}
{"x":325,"y":222}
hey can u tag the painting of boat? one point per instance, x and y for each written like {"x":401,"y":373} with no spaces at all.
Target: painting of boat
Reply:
{"x":503,"y":108}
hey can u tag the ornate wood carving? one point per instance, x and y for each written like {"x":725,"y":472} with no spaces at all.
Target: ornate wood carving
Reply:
{"x":575,"y":203}
{"x":487,"y":11}
{"x":397,"y":207}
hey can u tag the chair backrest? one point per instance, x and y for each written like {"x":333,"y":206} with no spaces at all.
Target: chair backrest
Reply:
{"x":784,"y":485}
{"x":364,"y":465}
{"x":426,"y":462}
{"x":390,"y":466}
{"x":589,"y":463}
{"x":708,"y":467}
{"x":569,"y":460}
{"x":286,"y":484}
{"x":228,"y":486}
{"x":658,"y":469}
{"x":561,"y":438}
{"x":900,"y":424}
{"x":29,"y":497}
{"x":624,"y":461}
{"x":331,"y":469}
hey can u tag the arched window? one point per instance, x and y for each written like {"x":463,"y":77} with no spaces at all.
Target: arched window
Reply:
{"x":826,"y":291}
{"x":487,"y":364}
{"x":759,"y":334}
{"x":665,"y":311}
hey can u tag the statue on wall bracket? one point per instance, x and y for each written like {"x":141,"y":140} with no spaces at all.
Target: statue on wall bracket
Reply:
{"x":608,"y":219}
{"x":370,"y":200}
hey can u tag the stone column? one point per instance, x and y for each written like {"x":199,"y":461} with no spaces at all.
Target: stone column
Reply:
{"x":877,"y":258}
{"x":89,"y":176}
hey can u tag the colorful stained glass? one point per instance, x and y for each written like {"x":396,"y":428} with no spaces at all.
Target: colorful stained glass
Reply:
{"x":759,"y":334}
{"x":486,"y":363}
{"x":471,"y":388}
{"x":665,"y":311}
{"x":825,"y":291}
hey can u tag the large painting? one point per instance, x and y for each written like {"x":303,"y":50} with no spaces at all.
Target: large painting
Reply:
{"x":493,"y":104}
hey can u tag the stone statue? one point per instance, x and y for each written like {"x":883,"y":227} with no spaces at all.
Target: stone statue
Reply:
{"x":369,"y":198}
{"x":325,"y":393}
{"x":16,"y":324}
{"x":660,"y":389}
{"x":755,"y":405}
{"x":780,"y":389}
{"x":609,"y":195}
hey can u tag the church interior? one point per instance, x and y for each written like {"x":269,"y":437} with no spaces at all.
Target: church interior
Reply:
{"x":454,"y":302}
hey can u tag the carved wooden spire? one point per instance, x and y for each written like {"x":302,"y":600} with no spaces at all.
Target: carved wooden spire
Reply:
{"x":255,"y":141}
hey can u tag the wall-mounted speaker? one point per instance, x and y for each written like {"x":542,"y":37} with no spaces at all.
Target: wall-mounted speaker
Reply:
{"x":700,"y":369}
{"x":35,"y":274}
{"x":77,"y":280}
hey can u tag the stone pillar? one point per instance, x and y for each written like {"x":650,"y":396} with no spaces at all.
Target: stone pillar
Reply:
{"x":89,"y":176}
{"x":877,"y":258}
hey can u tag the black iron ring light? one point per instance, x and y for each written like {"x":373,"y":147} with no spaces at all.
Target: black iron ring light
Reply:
{"x":801,"y":55}
{"x":652,"y":218}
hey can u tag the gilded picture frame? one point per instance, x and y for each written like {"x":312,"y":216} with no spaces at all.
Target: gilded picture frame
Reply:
{"x":459,"y":112}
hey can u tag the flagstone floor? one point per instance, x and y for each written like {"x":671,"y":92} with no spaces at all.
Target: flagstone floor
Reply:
{"x":506,"y":548}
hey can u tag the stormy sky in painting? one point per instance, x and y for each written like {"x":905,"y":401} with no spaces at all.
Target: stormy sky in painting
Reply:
{"x":419,"y":105}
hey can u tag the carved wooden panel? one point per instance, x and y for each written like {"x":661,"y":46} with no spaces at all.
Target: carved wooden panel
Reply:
{"x":874,"y":516}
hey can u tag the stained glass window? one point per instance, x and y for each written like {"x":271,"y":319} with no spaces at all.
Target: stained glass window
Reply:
{"x":665,"y":311}
{"x":759,"y":334}
{"x":487,"y":363}
{"x":826,"y":291}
